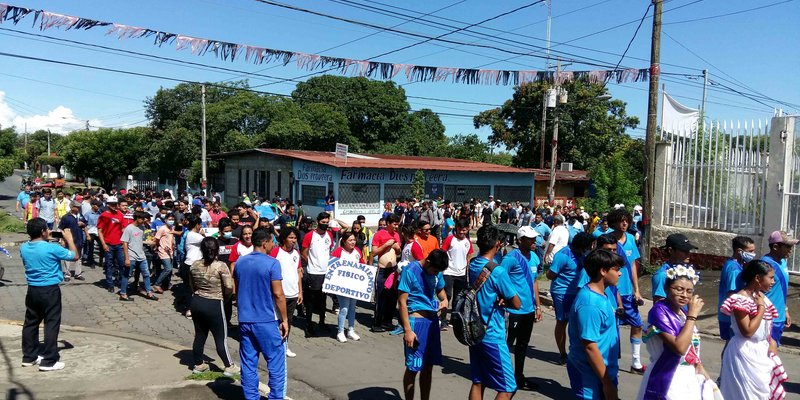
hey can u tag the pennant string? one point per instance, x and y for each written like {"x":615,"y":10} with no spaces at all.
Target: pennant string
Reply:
{"x":226,"y":51}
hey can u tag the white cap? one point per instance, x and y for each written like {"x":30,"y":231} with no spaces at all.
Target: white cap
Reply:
{"x":527,"y":231}
{"x":618,"y":206}
{"x":637,"y":208}
{"x":111,"y":199}
{"x":416,"y":205}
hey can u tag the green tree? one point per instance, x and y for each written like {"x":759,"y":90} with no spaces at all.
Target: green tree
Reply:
{"x":54,"y":161}
{"x":376,"y":111}
{"x":10,"y":155}
{"x":618,"y":177}
{"x":37,"y":145}
{"x":104,"y":154}
{"x":418,"y":184}
{"x":589,"y":127}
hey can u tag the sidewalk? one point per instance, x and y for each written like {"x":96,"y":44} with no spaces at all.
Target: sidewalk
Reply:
{"x":100,"y":366}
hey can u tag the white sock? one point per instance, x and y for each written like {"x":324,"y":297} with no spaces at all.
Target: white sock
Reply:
{"x":636,"y":351}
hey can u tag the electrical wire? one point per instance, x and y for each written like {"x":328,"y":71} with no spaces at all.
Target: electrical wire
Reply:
{"x":730,"y":13}
{"x":635,"y":33}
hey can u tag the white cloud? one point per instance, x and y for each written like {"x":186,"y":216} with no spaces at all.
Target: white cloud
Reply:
{"x":59,"y":120}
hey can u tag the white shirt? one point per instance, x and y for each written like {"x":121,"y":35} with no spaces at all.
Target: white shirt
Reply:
{"x":458,"y":251}
{"x":290,"y":263}
{"x":205,"y":216}
{"x":559,"y":238}
{"x":193,"y":252}
{"x":405,"y":255}
{"x":319,"y":251}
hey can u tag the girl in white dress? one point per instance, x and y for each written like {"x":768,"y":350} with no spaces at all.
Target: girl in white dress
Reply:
{"x":749,"y":359}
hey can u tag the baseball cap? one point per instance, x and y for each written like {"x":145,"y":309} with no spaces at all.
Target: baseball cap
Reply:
{"x":112,"y":199}
{"x":782,"y":237}
{"x":680,"y":242}
{"x":528,"y":232}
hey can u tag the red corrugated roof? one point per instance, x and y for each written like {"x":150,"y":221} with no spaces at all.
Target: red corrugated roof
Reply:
{"x":393,"y":162}
{"x":574,"y":175}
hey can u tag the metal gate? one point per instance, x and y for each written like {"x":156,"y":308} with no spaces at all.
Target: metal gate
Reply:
{"x":791,"y":194}
{"x":391,"y":192}
{"x":460,"y":193}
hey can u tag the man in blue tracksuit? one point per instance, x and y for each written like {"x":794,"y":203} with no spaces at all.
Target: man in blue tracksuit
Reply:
{"x":259,"y":296}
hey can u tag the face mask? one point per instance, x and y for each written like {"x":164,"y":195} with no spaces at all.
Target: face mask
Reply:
{"x":227,"y":235}
{"x":170,"y":222}
{"x":163,"y":215}
{"x":747,"y":257}
{"x":323,"y":227}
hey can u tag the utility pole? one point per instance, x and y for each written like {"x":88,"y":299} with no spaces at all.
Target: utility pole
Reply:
{"x":652,"y":114}
{"x":48,"y":152}
{"x":87,"y":124}
{"x":551,"y":189}
{"x":203,"y":131}
{"x":703,"y":104}
{"x":26,"y":145}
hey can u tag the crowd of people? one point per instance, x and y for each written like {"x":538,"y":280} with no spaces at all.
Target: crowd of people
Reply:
{"x":267,"y":258}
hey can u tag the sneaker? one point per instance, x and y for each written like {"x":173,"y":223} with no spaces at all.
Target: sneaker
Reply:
{"x":231,"y":370}
{"x":352,"y":335}
{"x":199,"y":369}
{"x":638,"y":371}
{"x":336,"y":310}
{"x":290,"y":353}
{"x":378,"y":329}
{"x":32,"y":363}
{"x":55,"y":367}
{"x":66,"y":278}
{"x":341,"y":338}
{"x":125,"y":298}
{"x":79,"y":277}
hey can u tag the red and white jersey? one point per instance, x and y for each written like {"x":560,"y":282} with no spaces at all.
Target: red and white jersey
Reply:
{"x":239,"y":250}
{"x":353,"y":256}
{"x":290,"y":263}
{"x":319,"y":251}
{"x":458,"y":251}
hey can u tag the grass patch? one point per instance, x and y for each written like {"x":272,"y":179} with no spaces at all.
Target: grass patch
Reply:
{"x":212,"y":376}
{"x":10,"y":223}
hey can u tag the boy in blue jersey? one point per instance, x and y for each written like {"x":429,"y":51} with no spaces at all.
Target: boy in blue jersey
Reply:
{"x":522,"y":266}
{"x":262,"y":317}
{"x":422,"y":297}
{"x":780,"y":248}
{"x":602,"y":228}
{"x":678,"y":250}
{"x":565,"y":273}
{"x":490,"y":360}
{"x":592,"y":363}
{"x":744,"y":251}
{"x":620,"y":220}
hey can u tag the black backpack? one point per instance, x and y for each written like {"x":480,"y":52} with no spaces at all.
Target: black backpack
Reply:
{"x":466,"y":317}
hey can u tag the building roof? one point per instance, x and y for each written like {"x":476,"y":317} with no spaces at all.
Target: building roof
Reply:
{"x":355,"y":160}
{"x":543,"y":174}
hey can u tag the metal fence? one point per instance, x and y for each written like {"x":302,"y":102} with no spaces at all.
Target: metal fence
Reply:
{"x":716,"y":176}
{"x":792,"y":197}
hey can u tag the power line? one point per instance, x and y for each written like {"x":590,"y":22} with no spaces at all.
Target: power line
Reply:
{"x":647,"y":11}
{"x":730,"y":13}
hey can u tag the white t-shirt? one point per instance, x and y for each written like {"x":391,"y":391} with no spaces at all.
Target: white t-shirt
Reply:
{"x":559,"y":238}
{"x":319,"y":251}
{"x":458,"y":251}
{"x":193,"y":252}
{"x":405,"y":255}
{"x":290,"y":263}
{"x":205,"y":216}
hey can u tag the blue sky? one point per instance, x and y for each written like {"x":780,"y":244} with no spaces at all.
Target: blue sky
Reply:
{"x":756,"y":49}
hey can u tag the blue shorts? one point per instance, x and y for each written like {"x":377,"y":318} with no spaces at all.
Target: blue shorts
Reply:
{"x":777,"y":331}
{"x":631,"y":317}
{"x":429,"y":344}
{"x":490,"y":365}
{"x":725,"y":330}
{"x":585,"y":385}
{"x":563,"y":304}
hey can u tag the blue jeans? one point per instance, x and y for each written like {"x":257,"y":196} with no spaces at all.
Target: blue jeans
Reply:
{"x":262,"y":338}
{"x":115,"y":259}
{"x":347,"y":311}
{"x":144,"y":269}
{"x":166,"y":272}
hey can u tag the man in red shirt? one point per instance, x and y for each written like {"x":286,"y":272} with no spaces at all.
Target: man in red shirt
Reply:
{"x":109,"y":230}
{"x":386,"y":245}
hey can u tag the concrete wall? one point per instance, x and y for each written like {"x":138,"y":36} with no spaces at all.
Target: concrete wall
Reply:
{"x":714,"y":243}
{"x":256,"y":162}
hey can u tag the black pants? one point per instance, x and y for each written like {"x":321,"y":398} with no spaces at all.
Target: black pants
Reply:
{"x":520,"y":327}
{"x":88,"y":250}
{"x":291,"y":305}
{"x":42,"y":303}
{"x":386,"y":303}
{"x":209,"y":315}
{"x":314,"y":298}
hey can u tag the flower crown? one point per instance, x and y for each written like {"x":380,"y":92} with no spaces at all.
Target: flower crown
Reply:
{"x":681,"y":270}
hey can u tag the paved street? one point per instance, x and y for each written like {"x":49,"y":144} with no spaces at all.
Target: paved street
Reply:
{"x":370,"y":369}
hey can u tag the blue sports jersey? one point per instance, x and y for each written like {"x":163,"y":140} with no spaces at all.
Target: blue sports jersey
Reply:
{"x":567,"y":269}
{"x":592,"y":319}
{"x":421,"y":288}
{"x":522,"y":273}
{"x":630,"y":253}
{"x":254,"y":274}
{"x":544,"y":232}
{"x":730,"y":281}
{"x":497,"y":286}
{"x":599,"y":231}
{"x":658,"y":281}
{"x":777,"y":295}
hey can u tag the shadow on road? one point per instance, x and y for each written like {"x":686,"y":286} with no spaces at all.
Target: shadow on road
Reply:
{"x":452,"y":365}
{"x":19,"y":391}
{"x":374,"y":393}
